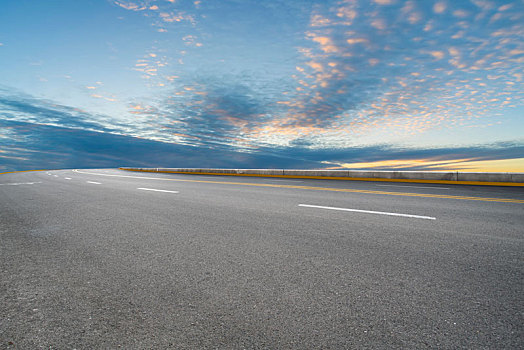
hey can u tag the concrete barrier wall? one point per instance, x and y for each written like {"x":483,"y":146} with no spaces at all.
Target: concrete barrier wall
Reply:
{"x":418,"y":176}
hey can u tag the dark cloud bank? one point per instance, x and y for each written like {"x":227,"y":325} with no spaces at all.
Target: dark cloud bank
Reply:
{"x":33,"y":146}
{"x":36,"y":134}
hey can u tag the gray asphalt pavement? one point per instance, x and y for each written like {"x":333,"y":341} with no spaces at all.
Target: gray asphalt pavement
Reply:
{"x":102,"y":259}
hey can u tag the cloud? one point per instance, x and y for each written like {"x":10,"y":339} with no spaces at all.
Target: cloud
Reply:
{"x":326,"y":43}
{"x":109,"y":99}
{"x":435,"y":164}
{"x":319,"y":21}
{"x":439,"y":7}
{"x":21,"y":107}
{"x":488,"y":157}
{"x":402,"y":67}
{"x":460,"y":13}
{"x":152,"y":66}
{"x":437,"y":54}
{"x":505,"y":7}
{"x":191,"y":40}
{"x":362,"y":71}
{"x":213,"y":110}
{"x":130,"y":5}
{"x":379,"y":72}
{"x":40,"y":134}
{"x":352,"y":41}
{"x":378,"y":23}
{"x":36,"y":146}
{"x":170,"y":13}
{"x":384,"y":2}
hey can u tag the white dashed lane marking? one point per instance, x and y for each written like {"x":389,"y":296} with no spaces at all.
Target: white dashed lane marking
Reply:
{"x":369,"y":212}
{"x":155,"y":190}
{"x":20,"y":183}
{"x":316,"y":188}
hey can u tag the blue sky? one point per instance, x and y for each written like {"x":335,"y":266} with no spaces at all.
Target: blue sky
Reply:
{"x":435,"y":85}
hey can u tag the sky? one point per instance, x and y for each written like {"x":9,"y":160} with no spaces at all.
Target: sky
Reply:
{"x":309,"y":84}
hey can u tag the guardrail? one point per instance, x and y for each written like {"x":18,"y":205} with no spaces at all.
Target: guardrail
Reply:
{"x":454,"y":177}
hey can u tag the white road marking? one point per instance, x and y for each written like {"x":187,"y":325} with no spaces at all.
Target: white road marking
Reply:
{"x":55,"y":175}
{"x":67,"y":178}
{"x":20,"y":183}
{"x":153,"y":189}
{"x":437,"y":188}
{"x":425,"y":195}
{"x":93,"y":182}
{"x":154,"y":178}
{"x":128,"y":176}
{"x":369,"y":212}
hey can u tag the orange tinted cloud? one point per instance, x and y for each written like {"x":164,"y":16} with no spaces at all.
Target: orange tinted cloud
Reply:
{"x":316,"y":66}
{"x":319,"y":21}
{"x":430,"y":164}
{"x":353,"y":41}
{"x":399,"y":163}
{"x":498,"y":165}
{"x":326,"y":44}
{"x":437,"y":54}
{"x":110,"y":99}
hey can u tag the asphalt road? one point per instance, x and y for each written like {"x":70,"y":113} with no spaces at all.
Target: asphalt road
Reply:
{"x":141,"y":260}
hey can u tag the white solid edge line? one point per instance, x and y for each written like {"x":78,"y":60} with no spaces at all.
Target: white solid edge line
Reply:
{"x":434,"y":187}
{"x":153,"y":189}
{"x":369,"y":212}
{"x":67,"y":178}
{"x":93,"y":182}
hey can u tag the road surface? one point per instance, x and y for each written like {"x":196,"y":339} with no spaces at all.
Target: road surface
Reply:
{"x":107,"y":258}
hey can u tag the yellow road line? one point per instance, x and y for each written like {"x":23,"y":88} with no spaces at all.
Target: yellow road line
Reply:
{"x":447,"y":182}
{"x":405,"y":194}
